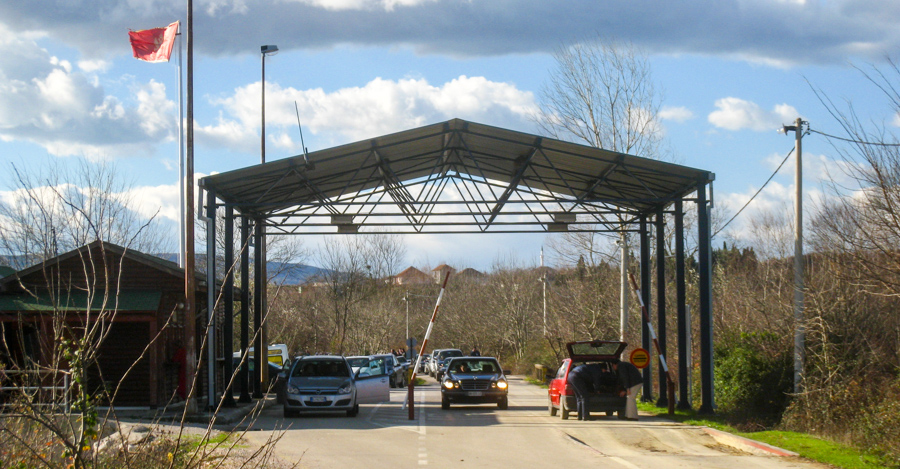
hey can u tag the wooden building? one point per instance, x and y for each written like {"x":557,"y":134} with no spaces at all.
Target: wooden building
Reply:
{"x":134,"y":303}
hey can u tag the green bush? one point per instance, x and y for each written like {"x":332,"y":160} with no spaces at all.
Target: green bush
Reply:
{"x":878,"y":427}
{"x":753,"y":378}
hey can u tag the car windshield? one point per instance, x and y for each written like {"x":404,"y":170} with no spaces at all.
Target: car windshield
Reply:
{"x":475,"y":366}
{"x":321,"y":369}
{"x":358,"y":361}
{"x":451,"y":353}
{"x":595,"y":348}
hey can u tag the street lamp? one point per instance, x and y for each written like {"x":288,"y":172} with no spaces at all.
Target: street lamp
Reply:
{"x":264,"y":50}
{"x":261,"y":371}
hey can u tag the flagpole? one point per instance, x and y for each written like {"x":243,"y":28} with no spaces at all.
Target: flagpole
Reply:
{"x":190,"y":318}
{"x":180,"y":150}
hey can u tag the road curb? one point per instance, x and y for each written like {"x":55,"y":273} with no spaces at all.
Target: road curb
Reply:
{"x":746,"y":444}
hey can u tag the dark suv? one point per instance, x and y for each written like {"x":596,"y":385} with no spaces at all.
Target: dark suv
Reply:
{"x":443,"y":356}
{"x":603,"y":398}
{"x":474,"y":380}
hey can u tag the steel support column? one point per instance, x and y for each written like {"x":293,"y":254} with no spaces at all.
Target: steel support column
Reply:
{"x":228,"y":326}
{"x":647,"y":393}
{"x":707,"y":405}
{"x":210,"y":299}
{"x":663,"y":400}
{"x":259,"y":350}
{"x":244,"y":376}
{"x":684,"y":352}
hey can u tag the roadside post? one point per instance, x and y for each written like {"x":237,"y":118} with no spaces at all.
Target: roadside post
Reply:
{"x":410,"y":395}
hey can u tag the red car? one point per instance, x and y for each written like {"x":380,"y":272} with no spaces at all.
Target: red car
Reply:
{"x":604,"y":398}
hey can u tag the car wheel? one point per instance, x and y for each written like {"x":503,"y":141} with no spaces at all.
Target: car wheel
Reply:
{"x":621,"y":414}
{"x":503,"y":404}
{"x":392,"y":383}
{"x":354,"y":411}
{"x":550,"y":407}
{"x":609,"y":413}
{"x":445,"y":404}
{"x":563,"y":411}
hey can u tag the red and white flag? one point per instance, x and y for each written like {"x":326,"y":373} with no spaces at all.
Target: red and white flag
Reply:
{"x":153,"y":45}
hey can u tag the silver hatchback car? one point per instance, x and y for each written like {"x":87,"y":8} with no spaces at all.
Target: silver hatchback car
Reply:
{"x":321,"y":383}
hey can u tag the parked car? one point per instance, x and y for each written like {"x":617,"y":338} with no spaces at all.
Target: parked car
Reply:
{"x":423,"y":364}
{"x":561,"y":396}
{"x":394,"y":370}
{"x":442,"y":358}
{"x":319,"y":383}
{"x":432,"y":362}
{"x":474,"y":380}
{"x":357,"y":362}
{"x":274,"y":368}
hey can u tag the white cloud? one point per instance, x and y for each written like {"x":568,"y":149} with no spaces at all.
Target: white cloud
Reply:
{"x":44,"y":100}
{"x":91,"y":66}
{"x":737,"y":114}
{"x":677,"y":114}
{"x":387,"y":5}
{"x":377,"y":108}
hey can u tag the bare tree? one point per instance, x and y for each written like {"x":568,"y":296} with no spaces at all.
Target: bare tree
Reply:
{"x":602,"y":93}
{"x":62,"y":207}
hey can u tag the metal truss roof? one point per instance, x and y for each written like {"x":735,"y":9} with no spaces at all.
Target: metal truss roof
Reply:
{"x":454,"y":177}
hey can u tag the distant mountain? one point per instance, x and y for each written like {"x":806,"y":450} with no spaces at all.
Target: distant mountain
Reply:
{"x":282,"y":273}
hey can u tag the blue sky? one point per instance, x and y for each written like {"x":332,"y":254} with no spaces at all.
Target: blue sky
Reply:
{"x":731,"y":73}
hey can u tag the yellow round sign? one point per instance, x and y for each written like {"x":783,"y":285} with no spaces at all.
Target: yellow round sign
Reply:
{"x":640,"y":358}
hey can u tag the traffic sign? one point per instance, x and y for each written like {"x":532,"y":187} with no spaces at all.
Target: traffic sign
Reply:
{"x":640,"y":358}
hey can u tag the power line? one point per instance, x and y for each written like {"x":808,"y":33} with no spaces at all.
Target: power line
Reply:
{"x":861,"y":142}
{"x":757,"y":192}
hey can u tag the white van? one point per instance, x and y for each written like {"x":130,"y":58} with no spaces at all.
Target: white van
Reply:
{"x":278,"y":354}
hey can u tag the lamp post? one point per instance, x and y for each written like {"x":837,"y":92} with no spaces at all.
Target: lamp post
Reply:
{"x":264,"y":50}
{"x":262,"y":348}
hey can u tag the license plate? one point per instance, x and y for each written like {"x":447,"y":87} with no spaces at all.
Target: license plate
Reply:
{"x":474,"y":393}
{"x":318,"y":399}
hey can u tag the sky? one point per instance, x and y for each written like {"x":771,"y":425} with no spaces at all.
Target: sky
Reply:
{"x":731,"y":73}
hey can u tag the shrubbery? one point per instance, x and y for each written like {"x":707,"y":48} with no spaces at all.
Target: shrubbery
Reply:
{"x":753,"y":378}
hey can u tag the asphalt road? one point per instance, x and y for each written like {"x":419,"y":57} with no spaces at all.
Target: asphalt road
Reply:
{"x":482,"y":436}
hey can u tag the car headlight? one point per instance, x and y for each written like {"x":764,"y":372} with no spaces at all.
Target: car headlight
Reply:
{"x":501,"y":384}
{"x":293,"y":390}
{"x":449,"y":384}
{"x":345,"y":389}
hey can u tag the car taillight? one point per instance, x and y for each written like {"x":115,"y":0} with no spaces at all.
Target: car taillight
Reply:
{"x":568,"y":390}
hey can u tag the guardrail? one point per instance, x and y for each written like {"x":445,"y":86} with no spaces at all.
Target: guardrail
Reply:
{"x":49,"y":388}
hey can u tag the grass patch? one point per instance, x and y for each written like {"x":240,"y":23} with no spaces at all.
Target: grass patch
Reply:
{"x":536,"y":382}
{"x":807,"y":446}
{"x":192,"y":443}
{"x":817,"y":449}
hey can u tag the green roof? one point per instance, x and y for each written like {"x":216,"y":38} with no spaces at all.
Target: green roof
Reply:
{"x":135,"y":300}
{"x":5,"y":271}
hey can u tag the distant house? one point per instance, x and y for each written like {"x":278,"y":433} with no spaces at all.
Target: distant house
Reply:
{"x":412,"y":276}
{"x":471,"y":275}
{"x":137,"y":299}
{"x":438,"y":273}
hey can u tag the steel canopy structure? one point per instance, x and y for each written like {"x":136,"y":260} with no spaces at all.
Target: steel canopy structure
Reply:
{"x":463,"y":177}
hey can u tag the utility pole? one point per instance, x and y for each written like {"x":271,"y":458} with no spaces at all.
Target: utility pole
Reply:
{"x":623,"y":286}
{"x":544,"y":289}
{"x":799,"y":287}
